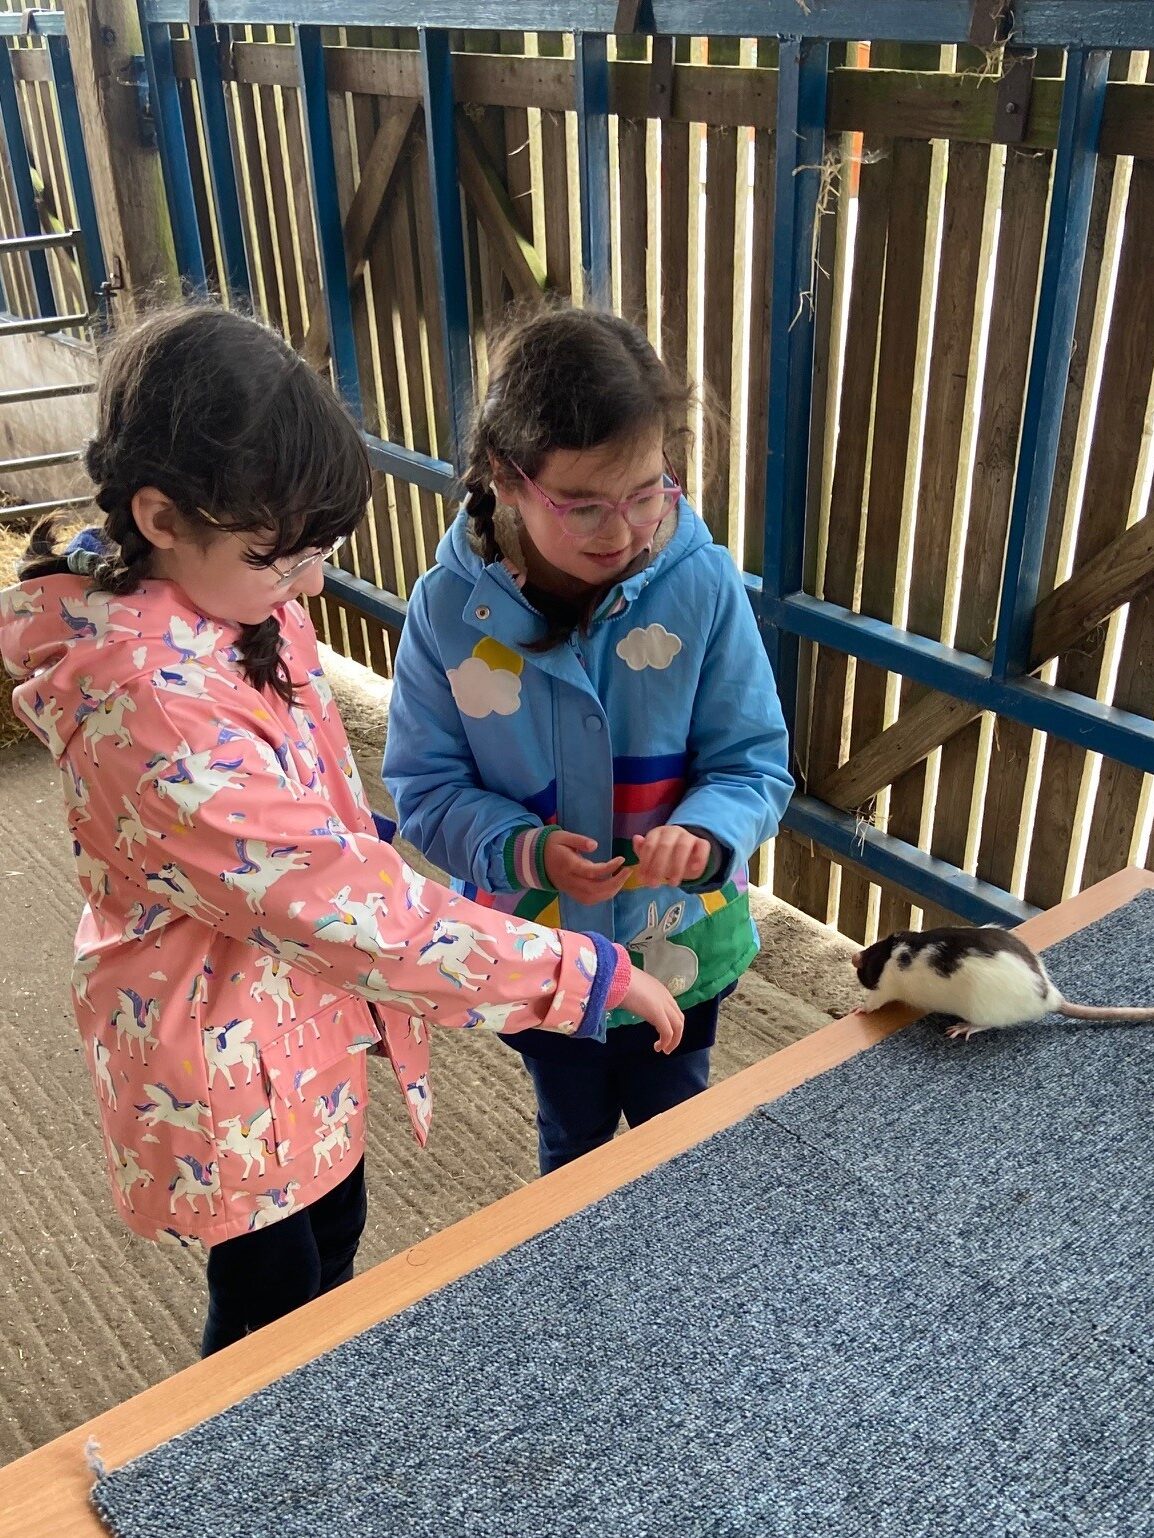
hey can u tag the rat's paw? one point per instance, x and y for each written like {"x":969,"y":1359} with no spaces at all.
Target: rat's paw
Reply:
{"x":962,"y":1031}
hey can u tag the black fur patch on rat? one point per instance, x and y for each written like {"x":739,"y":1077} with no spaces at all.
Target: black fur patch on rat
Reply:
{"x":950,"y":947}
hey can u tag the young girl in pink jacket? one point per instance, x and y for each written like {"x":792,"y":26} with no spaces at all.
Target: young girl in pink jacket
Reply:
{"x":247,"y":937}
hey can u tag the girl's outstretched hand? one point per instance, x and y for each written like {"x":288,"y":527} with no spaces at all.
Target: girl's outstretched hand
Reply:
{"x":653,"y":1001}
{"x":571,"y":871}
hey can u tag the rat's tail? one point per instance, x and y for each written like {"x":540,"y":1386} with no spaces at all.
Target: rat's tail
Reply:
{"x":1093,"y":1012}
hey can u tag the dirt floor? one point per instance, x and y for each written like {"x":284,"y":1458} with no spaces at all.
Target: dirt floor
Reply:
{"x":90,"y":1315}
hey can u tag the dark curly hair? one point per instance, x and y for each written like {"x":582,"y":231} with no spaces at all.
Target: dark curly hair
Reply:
{"x":218,"y":412}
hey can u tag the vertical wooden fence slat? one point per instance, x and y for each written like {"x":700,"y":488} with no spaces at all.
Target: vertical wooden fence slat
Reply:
{"x":353,"y":124}
{"x":633,"y":197}
{"x":404,"y":248}
{"x":760,"y":286}
{"x":675,"y":277}
{"x":1015,"y":282}
{"x":301,"y":207}
{"x":280,"y":176}
{"x":718,"y":298}
{"x":847,"y":504}
{"x":952,"y":339}
{"x":555,"y":180}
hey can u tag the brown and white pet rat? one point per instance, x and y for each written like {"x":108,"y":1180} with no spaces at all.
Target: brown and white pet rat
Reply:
{"x":988,"y":978}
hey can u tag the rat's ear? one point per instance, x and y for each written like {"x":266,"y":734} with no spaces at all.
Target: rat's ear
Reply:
{"x":872,"y":962}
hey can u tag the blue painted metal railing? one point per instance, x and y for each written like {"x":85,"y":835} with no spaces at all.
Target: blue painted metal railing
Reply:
{"x":1088,"y":29}
{"x":29,"y":242}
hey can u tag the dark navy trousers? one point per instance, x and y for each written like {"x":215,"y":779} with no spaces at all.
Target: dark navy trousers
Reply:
{"x":263,"y":1275}
{"x":584,"y":1088}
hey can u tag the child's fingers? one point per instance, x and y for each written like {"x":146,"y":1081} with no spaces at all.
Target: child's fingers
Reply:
{"x":603,"y":869}
{"x":577,"y":881}
{"x":669,"y":1030}
{"x":578,"y":868}
{"x":666,"y":861}
{"x":698,"y":860}
{"x":670,"y":856}
{"x":577,"y":841}
{"x":595,"y":892}
{"x":662,"y":856}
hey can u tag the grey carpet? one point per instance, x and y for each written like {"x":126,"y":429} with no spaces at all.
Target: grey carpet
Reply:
{"x":913,"y":1297}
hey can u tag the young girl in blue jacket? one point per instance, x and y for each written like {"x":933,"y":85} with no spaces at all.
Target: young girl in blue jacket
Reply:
{"x":584,"y":728}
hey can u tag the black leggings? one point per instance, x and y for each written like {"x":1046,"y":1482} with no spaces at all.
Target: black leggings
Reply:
{"x":261,"y":1276}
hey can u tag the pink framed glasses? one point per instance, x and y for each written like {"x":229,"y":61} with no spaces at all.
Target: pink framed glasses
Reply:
{"x":583,"y":516}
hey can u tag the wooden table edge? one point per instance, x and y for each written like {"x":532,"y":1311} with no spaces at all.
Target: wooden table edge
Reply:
{"x":46,"y":1491}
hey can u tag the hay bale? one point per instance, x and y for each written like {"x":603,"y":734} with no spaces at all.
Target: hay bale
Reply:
{"x":12,"y":729}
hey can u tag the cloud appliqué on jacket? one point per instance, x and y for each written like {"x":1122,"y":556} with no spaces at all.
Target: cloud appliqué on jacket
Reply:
{"x":650,"y":646}
{"x":488,"y":683}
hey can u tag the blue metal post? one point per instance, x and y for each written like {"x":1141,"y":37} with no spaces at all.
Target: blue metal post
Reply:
{"x":448,"y":233}
{"x":221,"y":167}
{"x":1083,"y":97}
{"x":801,"y":103}
{"x":327,"y":213}
{"x":19,"y":162}
{"x":592,"y":72}
{"x":76,"y":156}
{"x":173,"y":147}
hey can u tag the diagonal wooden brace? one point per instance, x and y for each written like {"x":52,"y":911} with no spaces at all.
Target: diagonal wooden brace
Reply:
{"x":1073,"y":611}
{"x":365,"y":213}
{"x":490,"y":199}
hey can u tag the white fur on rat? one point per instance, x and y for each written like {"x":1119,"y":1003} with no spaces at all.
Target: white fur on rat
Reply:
{"x":988,"y":978}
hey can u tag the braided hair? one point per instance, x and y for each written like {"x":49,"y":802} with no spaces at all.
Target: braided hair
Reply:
{"x":218,"y":413}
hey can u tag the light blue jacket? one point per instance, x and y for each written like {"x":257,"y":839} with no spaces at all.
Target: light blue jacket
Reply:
{"x":666,"y":712}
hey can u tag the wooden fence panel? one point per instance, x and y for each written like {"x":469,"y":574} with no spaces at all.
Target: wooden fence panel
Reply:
{"x":926,"y":276}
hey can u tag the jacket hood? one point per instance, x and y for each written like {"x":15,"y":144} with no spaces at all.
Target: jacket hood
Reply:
{"x":72,"y":649}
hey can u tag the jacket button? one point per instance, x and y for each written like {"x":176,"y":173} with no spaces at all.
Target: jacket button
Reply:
{"x":482,"y":611}
{"x":593,"y":723}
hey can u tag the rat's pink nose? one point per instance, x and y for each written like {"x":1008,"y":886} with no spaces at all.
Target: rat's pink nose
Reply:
{"x":857,"y":955}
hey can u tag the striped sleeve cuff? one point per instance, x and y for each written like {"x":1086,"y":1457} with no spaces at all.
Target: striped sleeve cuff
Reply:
{"x":610,"y":985}
{"x":525,"y":859}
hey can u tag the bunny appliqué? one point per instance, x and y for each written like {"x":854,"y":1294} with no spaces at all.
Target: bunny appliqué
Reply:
{"x":674,"y":965}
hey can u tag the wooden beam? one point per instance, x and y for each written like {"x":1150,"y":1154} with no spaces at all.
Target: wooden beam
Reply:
{"x":364,"y":215}
{"x":127,"y":186}
{"x":1073,"y":611}
{"x":909,"y":104}
{"x":484,"y":188}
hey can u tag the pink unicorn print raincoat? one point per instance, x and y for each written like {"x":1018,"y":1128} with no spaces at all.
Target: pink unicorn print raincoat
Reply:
{"x":246,"y":936}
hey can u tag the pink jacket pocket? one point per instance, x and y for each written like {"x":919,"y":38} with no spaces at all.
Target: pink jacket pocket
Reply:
{"x":314,"y":1075}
